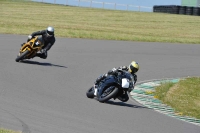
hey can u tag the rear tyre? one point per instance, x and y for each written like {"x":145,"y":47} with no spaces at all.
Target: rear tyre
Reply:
{"x":21,"y":56}
{"x":90,"y":93}
{"x":109,"y":93}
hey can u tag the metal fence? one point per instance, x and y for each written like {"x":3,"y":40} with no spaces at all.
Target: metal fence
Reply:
{"x":99,"y":4}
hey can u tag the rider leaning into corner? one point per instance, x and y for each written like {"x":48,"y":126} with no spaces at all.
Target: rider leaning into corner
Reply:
{"x":132,"y":68}
{"x":49,"y":40}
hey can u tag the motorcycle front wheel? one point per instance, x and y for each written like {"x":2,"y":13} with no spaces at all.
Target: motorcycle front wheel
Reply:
{"x":108,"y":93}
{"x":90,"y":93}
{"x":21,"y":56}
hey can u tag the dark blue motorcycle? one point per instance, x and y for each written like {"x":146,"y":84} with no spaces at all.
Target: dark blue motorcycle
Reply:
{"x":112,"y":87}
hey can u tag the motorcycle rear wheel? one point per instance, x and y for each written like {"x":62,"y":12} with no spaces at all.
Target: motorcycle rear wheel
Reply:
{"x":90,"y":93}
{"x":108,"y":94}
{"x":21,"y":56}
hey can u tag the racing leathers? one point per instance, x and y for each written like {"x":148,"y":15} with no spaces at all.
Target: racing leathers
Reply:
{"x":117,"y":71}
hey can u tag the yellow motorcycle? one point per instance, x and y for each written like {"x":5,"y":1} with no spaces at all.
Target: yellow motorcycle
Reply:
{"x":30,"y":49}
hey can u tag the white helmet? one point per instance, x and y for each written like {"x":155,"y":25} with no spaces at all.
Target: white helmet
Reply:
{"x":50,"y":31}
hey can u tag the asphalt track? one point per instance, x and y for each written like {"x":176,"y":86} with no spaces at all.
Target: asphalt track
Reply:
{"x":48,"y":96}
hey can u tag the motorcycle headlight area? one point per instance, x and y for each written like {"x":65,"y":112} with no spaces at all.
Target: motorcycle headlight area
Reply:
{"x":128,"y":84}
{"x":125,"y":83}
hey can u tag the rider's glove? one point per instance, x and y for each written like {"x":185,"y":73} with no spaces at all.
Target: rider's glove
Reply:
{"x":114,"y":69}
{"x":124,"y":68}
{"x":29,"y":37}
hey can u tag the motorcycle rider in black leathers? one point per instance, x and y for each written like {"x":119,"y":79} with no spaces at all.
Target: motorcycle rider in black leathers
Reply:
{"x":49,"y":40}
{"x":132,"y":68}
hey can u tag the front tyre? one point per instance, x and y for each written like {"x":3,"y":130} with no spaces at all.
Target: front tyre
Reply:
{"x":90,"y":93}
{"x":21,"y":57}
{"x":108,"y":93}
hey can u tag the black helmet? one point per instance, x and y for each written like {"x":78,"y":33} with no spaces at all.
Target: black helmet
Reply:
{"x":133,"y":67}
{"x":50,"y":31}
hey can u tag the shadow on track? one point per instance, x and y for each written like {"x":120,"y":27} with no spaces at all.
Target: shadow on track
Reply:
{"x":124,"y":104}
{"x":40,"y":63}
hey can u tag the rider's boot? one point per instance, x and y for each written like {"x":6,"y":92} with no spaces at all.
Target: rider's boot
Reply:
{"x":43,"y":56}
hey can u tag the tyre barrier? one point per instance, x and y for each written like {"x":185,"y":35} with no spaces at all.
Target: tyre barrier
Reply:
{"x":189,"y":11}
{"x":174,"y":9}
{"x":182,"y":10}
{"x":196,"y":11}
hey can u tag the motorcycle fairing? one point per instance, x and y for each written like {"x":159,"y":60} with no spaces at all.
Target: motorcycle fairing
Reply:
{"x":107,"y":82}
{"x":33,"y":46}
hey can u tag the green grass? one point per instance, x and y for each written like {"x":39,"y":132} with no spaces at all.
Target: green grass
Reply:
{"x":19,"y":17}
{"x":183,"y":96}
{"x":7,"y":131}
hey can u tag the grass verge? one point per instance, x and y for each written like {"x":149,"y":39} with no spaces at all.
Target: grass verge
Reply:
{"x":25,"y":17}
{"x":183,"y":96}
{"x":7,"y":131}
